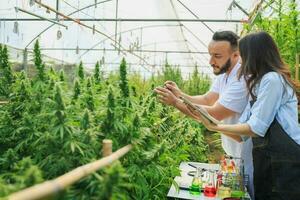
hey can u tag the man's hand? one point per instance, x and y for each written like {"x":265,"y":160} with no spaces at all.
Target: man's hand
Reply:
{"x":172,"y":86}
{"x":166,"y":96}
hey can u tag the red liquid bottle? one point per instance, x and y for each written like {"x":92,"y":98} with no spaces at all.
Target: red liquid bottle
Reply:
{"x":210,"y":189}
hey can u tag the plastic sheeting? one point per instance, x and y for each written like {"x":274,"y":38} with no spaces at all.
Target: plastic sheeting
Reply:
{"x":152,"y":43}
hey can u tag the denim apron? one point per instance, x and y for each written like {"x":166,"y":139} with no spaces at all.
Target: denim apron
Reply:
{"x":276,"y":161}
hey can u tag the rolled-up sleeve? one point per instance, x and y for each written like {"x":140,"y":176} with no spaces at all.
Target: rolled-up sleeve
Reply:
{"x":269,"y":96}
{"x":216,"y":85}
{"x":235,"y":97}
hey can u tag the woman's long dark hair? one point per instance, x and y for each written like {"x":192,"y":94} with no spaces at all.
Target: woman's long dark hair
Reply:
{"x":260,"y":55}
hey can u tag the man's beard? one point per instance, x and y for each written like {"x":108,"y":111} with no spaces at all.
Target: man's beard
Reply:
{"x":224,"y":68}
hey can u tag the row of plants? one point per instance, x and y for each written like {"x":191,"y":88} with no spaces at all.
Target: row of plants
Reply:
{"x":280,"y":18}
{"x":53,"y":124}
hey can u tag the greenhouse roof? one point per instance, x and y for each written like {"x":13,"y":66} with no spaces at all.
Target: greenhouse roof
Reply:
{"x":146,"y":32}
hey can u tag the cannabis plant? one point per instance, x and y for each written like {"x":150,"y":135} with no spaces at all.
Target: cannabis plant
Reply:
{"x":38,"y":62}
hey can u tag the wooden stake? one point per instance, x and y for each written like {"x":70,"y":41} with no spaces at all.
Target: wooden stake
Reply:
{"x":3,"y":102}
{"x":106,"y":148}
{"x":43,"y":190}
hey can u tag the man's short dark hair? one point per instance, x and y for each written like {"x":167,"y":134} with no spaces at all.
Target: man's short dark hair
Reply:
{"x":228,"y":36}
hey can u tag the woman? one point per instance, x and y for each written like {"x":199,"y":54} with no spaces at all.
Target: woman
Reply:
{"x":271,"y":119}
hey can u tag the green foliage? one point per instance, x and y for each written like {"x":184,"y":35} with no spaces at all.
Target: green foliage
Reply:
{"x":123,"y":79}
{"x":283,"y":24}
{"x":76,"y":90}
{"x":80,"y":72}
{"x":198,"y":83}
{"x":50,"y":128}
{"x":85,"y":122}
{"x":89,"y":96}
{"x":134,"y":91}
{"x":37,"y":55}
{"x":62,"y":76}
{"x":108,"y":123}
{"x":22,"y":174}
{"x":97,"y":75}
{"x":59,"y":106}
{"x":172,"y":73}
{"x":114,"y":184}
{"x":51,"y":84}
{"x":6,"y":75}
{"x":38,"y":62}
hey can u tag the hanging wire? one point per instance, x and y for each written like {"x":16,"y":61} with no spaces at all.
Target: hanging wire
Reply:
{"x":4,"y":31}
{"x":62,"y":55}
{"x":16,"y":28}
{"x":16,"y":24}
{"x":31,"y":2}
{"x":180,"y":27}
{"x":93,"y":17}
{"x":94,"y":27}
{"x":103,"y":41}
{"x":120,"y":38}
{"x":58,"y":34}
{"x":77,"y":47}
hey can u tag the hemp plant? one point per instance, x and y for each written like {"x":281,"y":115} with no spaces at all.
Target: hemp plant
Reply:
{"x":38,"y":62}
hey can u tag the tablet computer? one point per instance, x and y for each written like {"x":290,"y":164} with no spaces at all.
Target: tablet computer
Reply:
{"x":200,"y":110}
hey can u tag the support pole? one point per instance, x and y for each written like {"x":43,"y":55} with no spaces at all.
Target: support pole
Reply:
{"x":57,"y":8}
{"x":106,"y":148}
{"x":25,"y":59}
{"x":116,"y":24}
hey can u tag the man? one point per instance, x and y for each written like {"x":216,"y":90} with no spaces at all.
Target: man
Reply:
{"x":226,"y":99}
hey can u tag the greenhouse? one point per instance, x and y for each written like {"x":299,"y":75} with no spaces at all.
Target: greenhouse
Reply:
{"x":149,"y":99}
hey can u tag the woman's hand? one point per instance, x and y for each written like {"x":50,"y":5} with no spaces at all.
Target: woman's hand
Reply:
{"x":194,"y":114}
{"x":209,"y":125}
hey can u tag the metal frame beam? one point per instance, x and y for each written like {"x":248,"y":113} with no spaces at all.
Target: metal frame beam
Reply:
{"x":126,"y":31}
{"x":81,"y":9}
{"x":156,"y":65}
{"x":136,"y":50}
{"x":195,"y":15}
{"x":131,"y":20}
{"x":234,"y":3}
{"x":40,"y":18}
{"x":120,"y":47}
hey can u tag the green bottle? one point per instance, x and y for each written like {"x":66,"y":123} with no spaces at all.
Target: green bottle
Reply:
{"x":237,"y":186}
{"x":196,"y":186}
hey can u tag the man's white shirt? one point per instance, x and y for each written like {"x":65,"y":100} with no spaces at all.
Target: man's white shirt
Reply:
{"x":233,"y":95}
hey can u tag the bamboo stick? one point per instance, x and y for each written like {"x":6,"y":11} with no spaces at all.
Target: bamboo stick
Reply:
{"x":3,"y":102}
{"x":107,"y":147}
{"x":54,"y":186}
